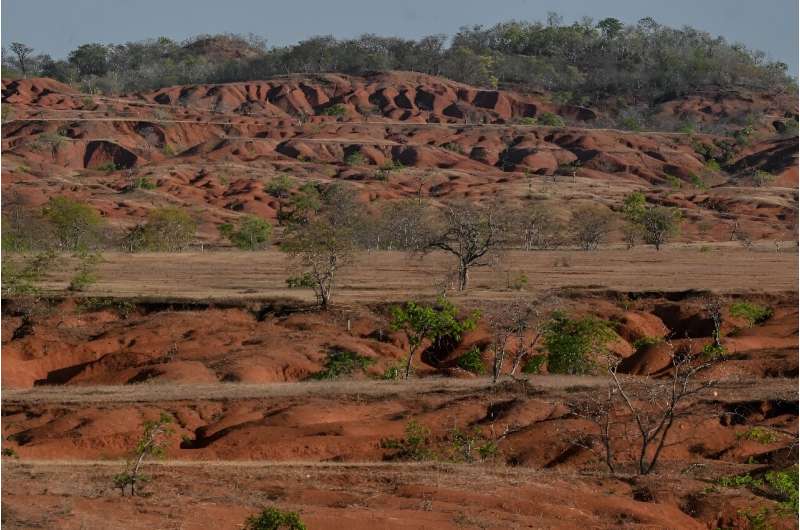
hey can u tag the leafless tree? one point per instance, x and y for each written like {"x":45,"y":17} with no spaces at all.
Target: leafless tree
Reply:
{"x":647,"y":404}
{"x":713,"y":307}
{"x":539,"y":228}
{"x":520,"y":324}
{"x":591,"y":225}
{"x":471,"y":233}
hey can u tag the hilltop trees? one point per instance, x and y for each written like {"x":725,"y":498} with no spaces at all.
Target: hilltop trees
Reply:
{"x":582,"y":61}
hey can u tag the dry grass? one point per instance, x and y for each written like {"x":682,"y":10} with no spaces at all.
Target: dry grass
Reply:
{"x":392,"y":276}
{"x":553,"y":385}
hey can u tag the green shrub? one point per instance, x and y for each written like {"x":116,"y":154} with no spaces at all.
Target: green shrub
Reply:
{"x":414,"y":446}
{"x":86,"y":274}
{"x":341,"y":362}
{"x":472,"y":361}
{"x":454,"y":147}
{"x":714,"y":351}
{"x":762,"y":178}
{"x":392,"y":165}
{"x":144,"y":183}
{"x":645,"y":342}
{"x":753,"y":313}
{"x":785,"y":484}
{"x":470,"y":446}
{"x":534,"y":364}
{"x":304,"y":281}
{"x":393,"y":372}
{"x":527,"y":120}
{"x":697,"y":182}
{"x":108,"y":167}
{"x":338,"y":110}
{"x":250,"y":232}
{"x":168,"y":150}
{"x":570,"y":342}
{"x":274,"y":519}
{"x":674,"y":181}
{"x":549,"y":119}
{"x":518,"y":282}
{"x":356,"y":158}
{"x":168,"y":229}
{"x":9,"y":452}
{"x":92,"y":304}
{"x":761,"y":435}
{"x":76,"y":225}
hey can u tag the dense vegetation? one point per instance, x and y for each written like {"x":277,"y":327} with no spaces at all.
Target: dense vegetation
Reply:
{"x":582,"y":62}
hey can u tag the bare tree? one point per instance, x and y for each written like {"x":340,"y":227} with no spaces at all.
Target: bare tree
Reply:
{"x":322,"y":249}
{"x":649,"y":405}
{"x":591,"y":225}
{"x":471,"y":233}
{"x":713,"y":307}
{"x":23,"y":53}
{"x":539,"y":228}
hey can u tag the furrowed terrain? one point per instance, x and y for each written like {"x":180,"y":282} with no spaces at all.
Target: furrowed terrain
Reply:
{"x":215,"y":339}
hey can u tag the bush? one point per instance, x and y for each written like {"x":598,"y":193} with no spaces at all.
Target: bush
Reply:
{"x":753,"y":313}
{"x":274,"y":519}
{"x":168,"y":229}
{"x":338,"y":110}
{"x":76,"y":225}
{"x":527,"y":120}
{"x":454,"y":147}
{"x":472,"y":361}
{"x":304,"y":281}
{"x":250,"y":233}
{"x":356,"y":158}
{"x":534,"y":364}
{"x":108,"y":167}
{"x":414,"y":446}
{"x":549,"y":119}
{"x":645,"y":342}
{"x":342,"y":362}
{"x":570,"y":342}
{"x":761,"y":435}
{"x":85,"y":275}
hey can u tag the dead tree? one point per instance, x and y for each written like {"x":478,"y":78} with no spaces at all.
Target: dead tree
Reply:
{"x":647,"y":406}
{"x":471,"y":233}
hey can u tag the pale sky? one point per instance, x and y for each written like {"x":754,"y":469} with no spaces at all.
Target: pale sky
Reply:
{"x":57,"y":26}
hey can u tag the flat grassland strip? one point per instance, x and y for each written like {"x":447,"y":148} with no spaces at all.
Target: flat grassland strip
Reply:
{"x":392,"y":276}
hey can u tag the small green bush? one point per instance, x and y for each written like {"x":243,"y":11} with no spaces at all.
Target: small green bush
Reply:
{"x":549,"y":119}
{"x":414,"y":446}
{"x":753,"y":313}
{"x":674,"y":181}
{"x":470,"y":446}
{"x":570,"y":342}
{"x":339,"y":363}
{"x":338,"y":110}
{"x":108,"y":167}
{"x":472,"y":361}
{"x":250,"y":233}
{"x":534,"y":364}
{"x":527,"y":120}
{"x":356,"y":158}
{"x":454,"y":147}
{"x":785,"y":484}
{"x":761,"y":435}
{"x":9,"y":452}
{"x":713,"y":351}
{"x":304,"y":281}
{"x":697,"y":182}
{"x":645,"y":342}
{"x":274,"y":519}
